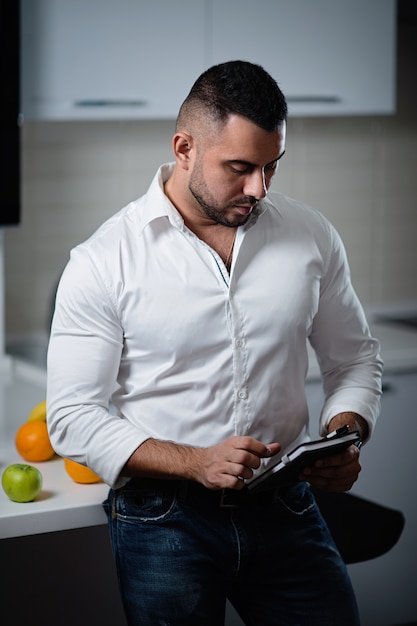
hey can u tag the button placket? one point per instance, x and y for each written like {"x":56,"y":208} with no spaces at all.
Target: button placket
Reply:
{"x":239,"y":365}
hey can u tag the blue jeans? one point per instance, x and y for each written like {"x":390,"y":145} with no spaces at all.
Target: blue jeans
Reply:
{"x":179,"y":555}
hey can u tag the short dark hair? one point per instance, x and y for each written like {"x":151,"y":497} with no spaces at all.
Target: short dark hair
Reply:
{"x":240,"y":88}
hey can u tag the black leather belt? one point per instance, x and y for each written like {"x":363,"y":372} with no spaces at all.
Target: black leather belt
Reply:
{"x":190,"y":491}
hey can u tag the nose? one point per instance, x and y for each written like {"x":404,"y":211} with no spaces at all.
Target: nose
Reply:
{"x":255,"y":184}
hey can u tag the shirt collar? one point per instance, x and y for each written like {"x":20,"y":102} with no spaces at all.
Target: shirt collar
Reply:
{"x":157,"y":204}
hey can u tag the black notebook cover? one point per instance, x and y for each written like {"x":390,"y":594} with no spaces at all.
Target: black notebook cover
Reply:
{"x":292,"y":464}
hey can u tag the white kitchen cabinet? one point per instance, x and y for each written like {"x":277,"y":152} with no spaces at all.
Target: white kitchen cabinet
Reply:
{"x":385,"y":587}
{"x":330,"y":57}
{"x":131,"y":59}
{"x":109,"y":59}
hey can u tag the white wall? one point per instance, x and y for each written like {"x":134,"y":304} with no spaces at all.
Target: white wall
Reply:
{"x":360,"y":172}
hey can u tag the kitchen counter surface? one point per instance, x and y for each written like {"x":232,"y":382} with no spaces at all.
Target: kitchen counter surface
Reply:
{"x":63,"y":504}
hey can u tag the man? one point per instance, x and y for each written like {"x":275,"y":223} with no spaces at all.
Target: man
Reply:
{"x":191,"y":309}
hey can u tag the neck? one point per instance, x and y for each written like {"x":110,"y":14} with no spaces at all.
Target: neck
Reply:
{"x":178,"y":194}
{"x":219,"y":237}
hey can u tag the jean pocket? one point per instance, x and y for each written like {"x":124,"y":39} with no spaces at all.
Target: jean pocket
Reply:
{"x":145,"y":506}
{"x":296,"y":500}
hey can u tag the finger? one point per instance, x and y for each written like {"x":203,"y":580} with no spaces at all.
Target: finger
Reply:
{"x":336,"y":479}
{"x":251,"y":459}
{"x":240,"y":461}
{"x":333,"y":471}
{"x":256,"y":447}
{"x":335,"y":486}
{"x":347,"y":457}
{"x":240,"y":471}
{"x":272,"y":449}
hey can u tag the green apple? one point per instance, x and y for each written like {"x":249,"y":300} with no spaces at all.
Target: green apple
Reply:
{"x":21,"y":482}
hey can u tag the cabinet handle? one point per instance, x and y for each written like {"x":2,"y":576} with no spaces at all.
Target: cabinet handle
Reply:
{"x":110,"y":103}
{"x":313,"y":99}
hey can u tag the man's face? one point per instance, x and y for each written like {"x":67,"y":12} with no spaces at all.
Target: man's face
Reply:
{"x":234,"y":170}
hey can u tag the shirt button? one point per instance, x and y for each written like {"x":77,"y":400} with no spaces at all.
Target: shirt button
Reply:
{"x":242,"y":394}
{"x":239,"y":343}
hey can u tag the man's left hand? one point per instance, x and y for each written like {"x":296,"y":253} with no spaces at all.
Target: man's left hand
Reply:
{"x":341,"y":471}
{"x":334,"y":473}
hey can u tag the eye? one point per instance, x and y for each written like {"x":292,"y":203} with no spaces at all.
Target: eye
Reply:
{"x":270,"y":169}
{"x":239,"y":169}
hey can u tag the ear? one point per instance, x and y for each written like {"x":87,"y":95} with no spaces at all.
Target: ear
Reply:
{"x":182,"y":146}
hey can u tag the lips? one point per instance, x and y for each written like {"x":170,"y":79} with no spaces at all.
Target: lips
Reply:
{"x":244,"y":210}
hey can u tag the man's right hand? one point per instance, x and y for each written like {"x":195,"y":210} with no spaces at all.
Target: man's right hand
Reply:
{"x":229,"y":463}
{"x":225,"y":465}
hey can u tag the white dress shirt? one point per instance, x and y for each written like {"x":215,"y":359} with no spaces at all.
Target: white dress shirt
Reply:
{"x":147,"y":312}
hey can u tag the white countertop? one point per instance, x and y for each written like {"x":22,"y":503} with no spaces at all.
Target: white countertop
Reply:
{"x":64,"y":504}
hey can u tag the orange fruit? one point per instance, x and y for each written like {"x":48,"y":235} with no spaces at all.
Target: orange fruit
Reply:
{"x":80,"y":473}
{"x":33,"y":443}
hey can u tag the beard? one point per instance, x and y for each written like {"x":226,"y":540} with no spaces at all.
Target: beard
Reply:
{"x":213,"y":210}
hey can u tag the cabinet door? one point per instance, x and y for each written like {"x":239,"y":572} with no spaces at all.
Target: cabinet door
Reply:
{"x":109,"y":59}
{"x":330,"y":57}
{"x":385,"y":587}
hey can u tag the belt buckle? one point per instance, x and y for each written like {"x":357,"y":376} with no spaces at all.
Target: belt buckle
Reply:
{"x":228,"y":494}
